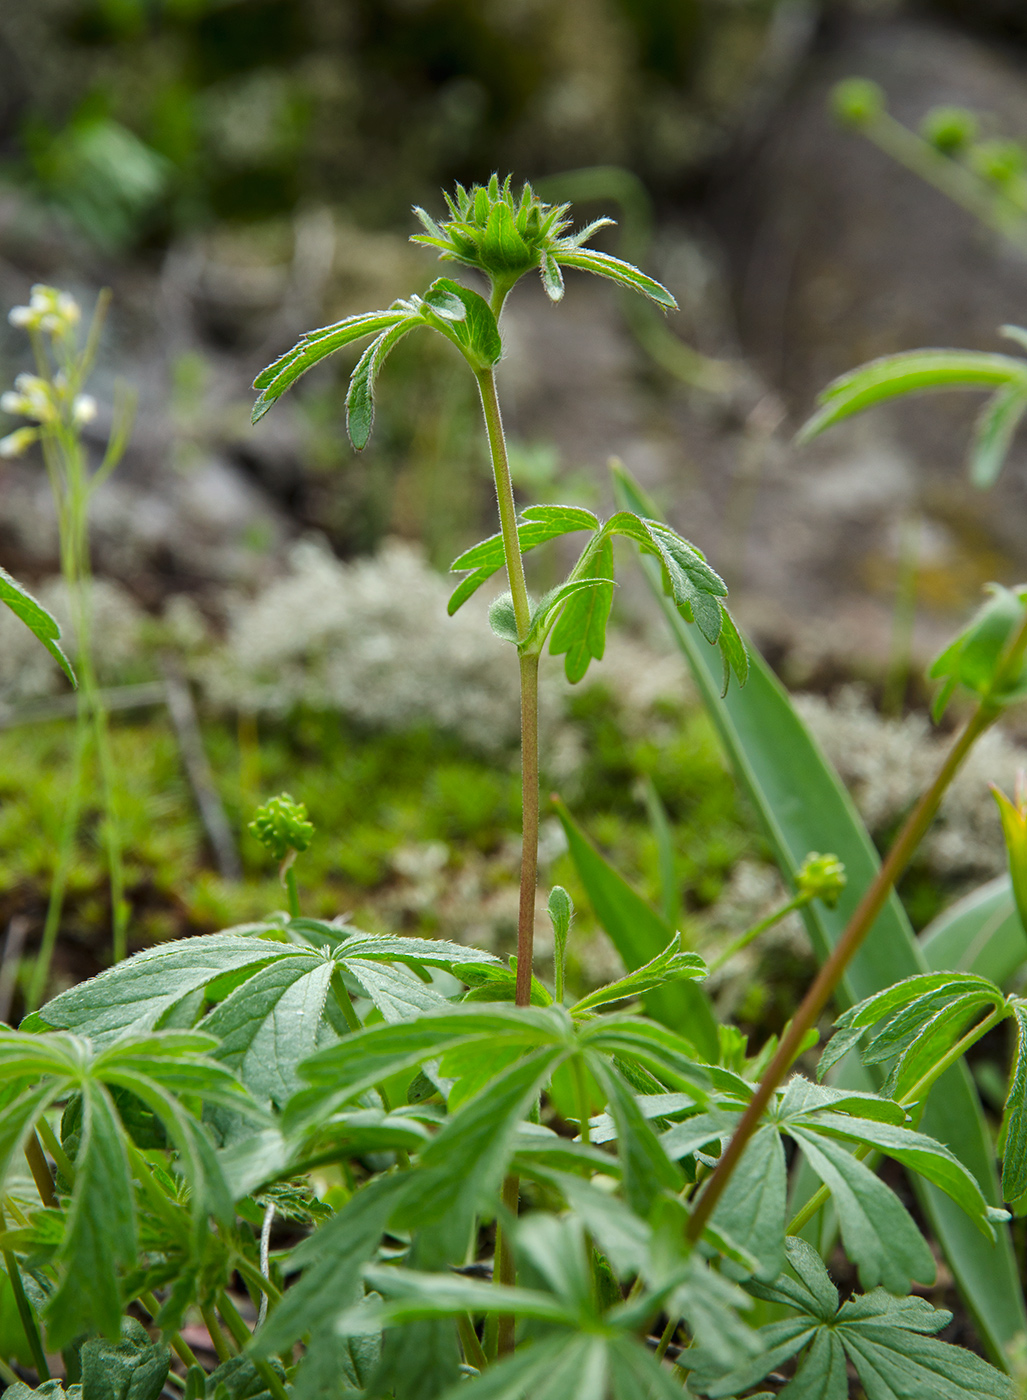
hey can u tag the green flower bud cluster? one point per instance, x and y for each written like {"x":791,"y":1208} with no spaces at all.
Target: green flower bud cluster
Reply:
{"x":821,"y":877}
{"x":281,"y":826}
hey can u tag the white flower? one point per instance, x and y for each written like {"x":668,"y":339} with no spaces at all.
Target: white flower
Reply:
{"x":84,"y":409}
{"x":32,"y":397}
{"x":18,"y":442}
{"x":48,"y":310}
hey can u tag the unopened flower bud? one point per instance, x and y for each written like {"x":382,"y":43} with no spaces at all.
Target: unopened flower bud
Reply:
{"x":821,"y":877}
{"x":84,"y":409}
{"x":281,"y":826}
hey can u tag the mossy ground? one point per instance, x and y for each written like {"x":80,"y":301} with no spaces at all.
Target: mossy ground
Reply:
{"x":414,"y":830}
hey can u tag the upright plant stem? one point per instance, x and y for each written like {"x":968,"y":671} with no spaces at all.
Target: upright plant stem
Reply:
{"x":506,"y":1269}
{"x":831,"y":973}
{"x":529,"y":683}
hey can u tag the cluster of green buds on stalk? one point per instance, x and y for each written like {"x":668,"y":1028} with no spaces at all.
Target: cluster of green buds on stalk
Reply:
{"x":282,"y":828}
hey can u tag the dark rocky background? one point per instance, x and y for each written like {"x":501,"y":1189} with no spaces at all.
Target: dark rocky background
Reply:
{"x":237,"y":172}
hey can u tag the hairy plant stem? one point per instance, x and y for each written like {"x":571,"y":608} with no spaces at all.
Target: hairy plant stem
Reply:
{"x":918,"y":1092}
{"x":506,"y":1267}
{"x":833,"y":969}
{"x":529,"y":682}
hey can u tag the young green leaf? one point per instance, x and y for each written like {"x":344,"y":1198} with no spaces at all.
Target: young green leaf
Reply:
{"x":360,"y":397}
{"x":536,"y":525}
{"x":314,"y":347}
{"x":623,"y":273}
{"x":580,"y":631}
{"x":911,"y":372}
{"x":993,"y":433}
{"x":36,"y":619}
{"x":1014,"y":1122}
{"x":668,"y":966}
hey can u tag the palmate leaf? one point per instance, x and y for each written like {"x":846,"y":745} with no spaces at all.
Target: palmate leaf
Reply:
{"x":99,"y":1236}
{"x":279,"y":1010}
{"x":36,"y":619}
{"x":889,"y":1341}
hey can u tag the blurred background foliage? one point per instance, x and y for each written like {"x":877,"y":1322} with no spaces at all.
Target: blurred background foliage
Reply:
{"x":142,"y":118}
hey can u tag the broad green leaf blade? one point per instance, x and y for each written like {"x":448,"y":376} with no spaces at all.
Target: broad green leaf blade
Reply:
{"x":270,"y":1023}
{"x":133,"y":996}
{"x":418,"y":952}
{"x":133,"y":1368}
{"x":767,"y":744}
{"x":396,"y":991}
{"x":781,"y":1340}
{"x":912,"y":372}
{"x":979,"y":933}
{"x":36,"y":619}
{"x":1014,"y":1162}
{"x":623,"y":273}
{"x":100,"y":1232}
{"x":993,"y":433}
{"x":921,"y":1154}
{"x":640,"y":934}
{"x":312,"y":348}
{"x":476,"y":333}
{"x":561,"y":597}
{"x":752,"y":1209}
{"x":879,"y":1234}
{"x":580,"y":631}
{"x":897,"y":1364}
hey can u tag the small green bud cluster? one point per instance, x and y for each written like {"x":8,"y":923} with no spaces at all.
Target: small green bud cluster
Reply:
{"x":858,"y":102}
{"x":281,"y":826}
{"x":821,"y":877}
{"x":949,"y":129}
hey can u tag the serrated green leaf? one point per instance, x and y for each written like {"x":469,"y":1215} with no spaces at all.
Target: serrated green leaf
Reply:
{"x":133,"y":995}
{"x":314,"y":347}
{"x":133,"y":1368}
{"x":270,"y":1023}
{"x":1014,"y":1121}
{"x":462,"y":1167}
{"x":580,"y":631}
{"x":537,"y":525}
{"x":360,"y":395}
{"x":668,"y":966}
{"x":552,"y":606}
{"x":920,"y":1153}
{"x":879,"y":1234}
{"x":751,"y":1210}
{"x":623,"y":273}
{"x":911,"y":372}
{"x":36,"y":619}
{"x":396,"y":991}
{"x":993,"y":433}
